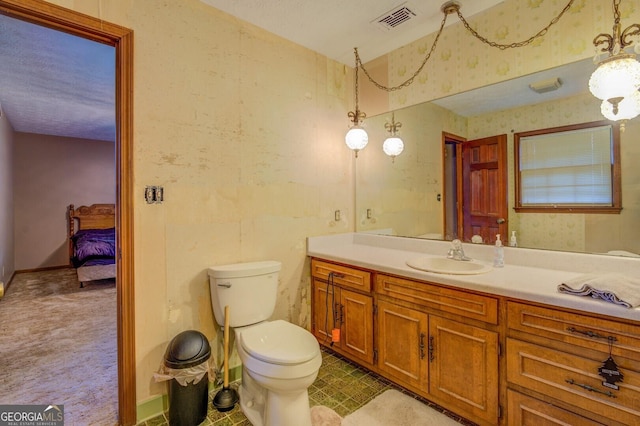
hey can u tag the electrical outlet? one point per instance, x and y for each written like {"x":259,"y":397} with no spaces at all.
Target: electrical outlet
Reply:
{"x":337,"y":215}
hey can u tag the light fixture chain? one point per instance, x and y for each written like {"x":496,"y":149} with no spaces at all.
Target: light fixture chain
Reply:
{"x":408,"y":81}
{"x":448,"y":8}
{"x":539,"y":34}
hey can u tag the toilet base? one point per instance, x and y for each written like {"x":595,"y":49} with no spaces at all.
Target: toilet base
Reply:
{"x":267,"y":408}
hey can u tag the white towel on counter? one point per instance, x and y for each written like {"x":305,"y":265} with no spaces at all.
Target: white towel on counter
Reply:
{"x":612,"y":287}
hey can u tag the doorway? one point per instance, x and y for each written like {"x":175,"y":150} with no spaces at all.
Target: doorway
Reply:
{"x":58,"y":18}
{"x":452,"y":198}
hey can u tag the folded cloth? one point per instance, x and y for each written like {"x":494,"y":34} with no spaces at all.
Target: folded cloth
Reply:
{"x":615,"y":288}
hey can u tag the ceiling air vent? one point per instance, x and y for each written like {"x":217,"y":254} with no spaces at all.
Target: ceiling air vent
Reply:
{"x":395,"y":17}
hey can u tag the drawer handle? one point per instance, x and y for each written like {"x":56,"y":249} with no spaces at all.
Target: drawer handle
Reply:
{"x":590,"y":388}
{"x":592,"y":334}
{"x":335,"y":275}
{"x":422,"y":346}
{"x":431,"y":349}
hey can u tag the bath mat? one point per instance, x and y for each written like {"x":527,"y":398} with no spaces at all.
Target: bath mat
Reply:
{"x":395,"y":408}
{"x":324,"y":416}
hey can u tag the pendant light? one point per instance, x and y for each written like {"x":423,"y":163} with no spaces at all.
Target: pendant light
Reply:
{"x":393,"y":145}
{"x":356,"y":138}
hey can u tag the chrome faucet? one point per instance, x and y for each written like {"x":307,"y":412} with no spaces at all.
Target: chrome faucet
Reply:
{"x":456,"y":252}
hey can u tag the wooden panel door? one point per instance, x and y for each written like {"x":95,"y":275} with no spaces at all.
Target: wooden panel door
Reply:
{"x":356,"y":315}
{"x":464,"y":367}
{"x":484,"y":187}
{"x":402,"y":344}
{"x":326,"y":302}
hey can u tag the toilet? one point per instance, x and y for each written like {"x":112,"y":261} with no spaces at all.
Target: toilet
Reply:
{"x":280,"y":360}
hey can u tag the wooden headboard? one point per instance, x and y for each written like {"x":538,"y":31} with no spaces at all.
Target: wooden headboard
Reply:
{"x":95,"y":216}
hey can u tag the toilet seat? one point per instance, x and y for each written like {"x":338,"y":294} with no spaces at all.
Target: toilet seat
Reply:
{"x":279,"y":342}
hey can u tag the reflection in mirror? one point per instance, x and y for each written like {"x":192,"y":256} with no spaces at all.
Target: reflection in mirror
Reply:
{"x":407,"y":197}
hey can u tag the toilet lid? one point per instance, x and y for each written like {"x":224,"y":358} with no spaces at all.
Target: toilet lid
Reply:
{"x":279,"y":342}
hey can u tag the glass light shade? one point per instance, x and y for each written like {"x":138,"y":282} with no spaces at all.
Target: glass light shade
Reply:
{"x":628,"y":108}
{"x":393,"y":146}
{"x":615,"y":77}
{"x":356,"y":138}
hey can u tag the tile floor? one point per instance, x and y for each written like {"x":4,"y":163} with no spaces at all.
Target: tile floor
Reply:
{"x":341,"y":385}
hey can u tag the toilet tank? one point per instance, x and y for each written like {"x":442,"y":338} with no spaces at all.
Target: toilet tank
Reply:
{"x":249,"y":289}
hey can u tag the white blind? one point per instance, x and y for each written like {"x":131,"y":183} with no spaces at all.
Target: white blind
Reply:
{"x":569,"y":168}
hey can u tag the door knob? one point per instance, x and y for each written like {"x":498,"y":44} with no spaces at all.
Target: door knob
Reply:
{"x":500,"y":221}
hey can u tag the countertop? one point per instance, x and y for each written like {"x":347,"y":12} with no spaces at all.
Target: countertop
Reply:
{"x":528,"y":274}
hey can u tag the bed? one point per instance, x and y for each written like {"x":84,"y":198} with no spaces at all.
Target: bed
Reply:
{"x":92,"y":241}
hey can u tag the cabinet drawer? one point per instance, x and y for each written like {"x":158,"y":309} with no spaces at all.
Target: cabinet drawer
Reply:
{"x":342,"y":275}
{"x":578,"y":330}
{"x":523,"y":410}
{"x":573,"y":380}
{"x":457,"y":302}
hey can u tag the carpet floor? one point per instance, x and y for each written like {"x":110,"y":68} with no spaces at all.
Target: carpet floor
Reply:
{"x":58,"y":345}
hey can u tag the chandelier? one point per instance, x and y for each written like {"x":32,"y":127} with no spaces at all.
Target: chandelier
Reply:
{"x":617,"y":79}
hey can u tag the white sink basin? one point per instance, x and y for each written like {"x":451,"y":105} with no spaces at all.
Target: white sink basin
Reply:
{"x":443,"y":265}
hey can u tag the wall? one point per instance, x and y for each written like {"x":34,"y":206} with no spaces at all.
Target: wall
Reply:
{"x":50,"y":173}
{"x":245,"y":131}
{"x":7,"y":266}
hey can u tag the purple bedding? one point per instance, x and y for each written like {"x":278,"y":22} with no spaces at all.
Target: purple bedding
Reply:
{"x":97,"y":246}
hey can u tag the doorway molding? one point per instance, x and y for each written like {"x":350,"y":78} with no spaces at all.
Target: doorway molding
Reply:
{"x":48,"y":15}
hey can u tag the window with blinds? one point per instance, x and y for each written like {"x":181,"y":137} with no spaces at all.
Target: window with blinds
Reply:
{"x":568,"y":169}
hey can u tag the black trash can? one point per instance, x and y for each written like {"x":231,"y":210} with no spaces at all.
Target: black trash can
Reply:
{"x":188,"y":404}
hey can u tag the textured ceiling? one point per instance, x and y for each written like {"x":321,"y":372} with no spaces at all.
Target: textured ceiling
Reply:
{"x":56,"y":84}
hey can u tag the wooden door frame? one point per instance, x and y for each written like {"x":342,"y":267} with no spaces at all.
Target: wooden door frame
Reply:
{"x":458,"y":140}
{"x":48,"y":15}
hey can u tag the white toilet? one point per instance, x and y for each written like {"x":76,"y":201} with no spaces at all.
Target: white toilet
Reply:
{"x":280,"y":360}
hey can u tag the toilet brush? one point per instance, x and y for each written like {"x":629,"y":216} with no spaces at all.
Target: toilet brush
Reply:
{"x":226,"y":397}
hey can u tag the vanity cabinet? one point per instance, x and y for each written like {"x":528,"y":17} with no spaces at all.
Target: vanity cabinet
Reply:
{"x":495,"y":360}
{"x":342,"y":300}
{"x":429,"y":339}
{"x":554,"y":359}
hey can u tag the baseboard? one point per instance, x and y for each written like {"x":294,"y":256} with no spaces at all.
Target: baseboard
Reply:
{"x":152,"y":408}
{"x":158,"y":405}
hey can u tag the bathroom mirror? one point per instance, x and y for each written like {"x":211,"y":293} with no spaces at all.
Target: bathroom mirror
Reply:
{"x":415,"y":194}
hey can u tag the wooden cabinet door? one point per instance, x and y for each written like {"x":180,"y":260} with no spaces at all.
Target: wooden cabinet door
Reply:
{"x":402,"y":344}
{"x":356,"y":315}
{"x":464,"y":367}
{"x":326,"y":305}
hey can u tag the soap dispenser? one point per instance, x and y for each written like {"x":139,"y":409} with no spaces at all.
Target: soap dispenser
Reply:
{"x":498,"y":257}
{"x":513,"y":242}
